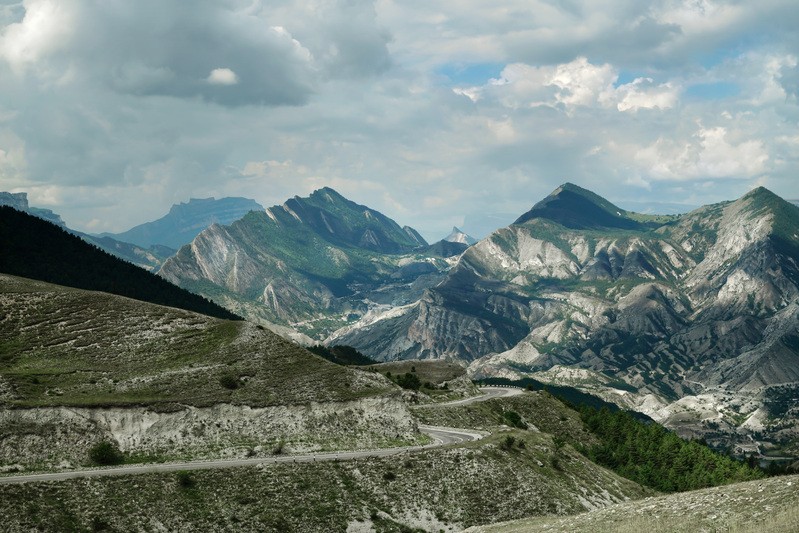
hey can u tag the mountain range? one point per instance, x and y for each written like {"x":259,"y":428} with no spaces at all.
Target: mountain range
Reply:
{"x":692,"y":319}
{"x":314,"y":264}
{"x":667,"y":314}
{"x":183,"y":222}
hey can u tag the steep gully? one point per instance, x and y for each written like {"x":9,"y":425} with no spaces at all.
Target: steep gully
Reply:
{"x":441,"y":436}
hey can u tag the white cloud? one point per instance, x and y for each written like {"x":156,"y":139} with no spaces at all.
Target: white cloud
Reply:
{"x":578,"y":83}
{"x":770,"y":79}
{"x":582,"y":83}
{"x":642,"y":93}
{"x":13,"y":163}
{"x":47,"y":26}
{"x":698,"y":17}
{"x":111,"y":106}
{"x":709,"y":155}
{"x":222,"y":76}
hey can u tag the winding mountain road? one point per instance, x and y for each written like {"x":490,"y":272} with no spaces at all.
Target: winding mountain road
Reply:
{"x":489,"y":393}
{"x":441,"y":436}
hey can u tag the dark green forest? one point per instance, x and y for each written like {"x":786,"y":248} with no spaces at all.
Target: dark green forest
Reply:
{"x":36,"y":249}
{"x":342,"y":355}
{"x":655,"y":457}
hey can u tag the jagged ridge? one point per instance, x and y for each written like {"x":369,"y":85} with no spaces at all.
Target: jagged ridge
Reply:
{"x":308,"y":261}
{"x":672,"y":307}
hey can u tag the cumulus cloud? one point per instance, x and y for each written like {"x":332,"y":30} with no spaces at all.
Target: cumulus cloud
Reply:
{"x":578,"y":83}
{"x":709,"y":155}
{"x":643,"y":93}
{"x":112,"y":111}
{"x":222,"y":76}
{"x":160,"y":48}
{"x":581,"y":83}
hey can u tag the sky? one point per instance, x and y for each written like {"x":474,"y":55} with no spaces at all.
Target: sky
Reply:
{"x":434,"y":112}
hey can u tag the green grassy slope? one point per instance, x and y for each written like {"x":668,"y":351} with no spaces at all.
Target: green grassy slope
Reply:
{"x":63,"y":346}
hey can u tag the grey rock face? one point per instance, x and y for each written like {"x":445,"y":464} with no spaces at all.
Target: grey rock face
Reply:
{"x":456,"y":235}
{"x":316,"y":264}
{"x":673,"y":307}
{"x":19,"y":201}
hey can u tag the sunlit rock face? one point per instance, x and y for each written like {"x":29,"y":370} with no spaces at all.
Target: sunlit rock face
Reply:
{"x":669,"y":307}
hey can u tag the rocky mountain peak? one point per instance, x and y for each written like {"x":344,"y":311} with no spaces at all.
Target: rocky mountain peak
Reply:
{"x":574,"y":207}
{"x":457,"y":235}
{"x":761,"y":199}
{"x":17,"y":200}
{"x":193,"y":203}
{"x":346,"y":222}
{"x":329,"y":194}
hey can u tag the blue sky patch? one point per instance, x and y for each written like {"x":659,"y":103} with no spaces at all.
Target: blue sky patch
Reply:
{"x":471,"y":74}
{"x":628,"y":76}
{"x":712,"y":91}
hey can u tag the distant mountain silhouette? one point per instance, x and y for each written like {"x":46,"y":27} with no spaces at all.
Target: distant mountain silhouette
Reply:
{"x":186,"y":220}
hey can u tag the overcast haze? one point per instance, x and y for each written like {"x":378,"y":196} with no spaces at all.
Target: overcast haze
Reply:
{"x":427,"y":110}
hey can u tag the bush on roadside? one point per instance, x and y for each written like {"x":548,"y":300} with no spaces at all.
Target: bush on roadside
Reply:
{"x":105,"y":453}
{"x":186,"y":479}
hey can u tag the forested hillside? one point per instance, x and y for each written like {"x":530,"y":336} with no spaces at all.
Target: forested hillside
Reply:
{"x":36,"y":249}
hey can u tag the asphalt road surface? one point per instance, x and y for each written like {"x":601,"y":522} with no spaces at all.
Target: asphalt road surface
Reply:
{"x":488,"y":394}
{"x":441,"y":436}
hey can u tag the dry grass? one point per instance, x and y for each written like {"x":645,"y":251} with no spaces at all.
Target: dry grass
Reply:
{"x":770,"y":505}
{"x":441,"y":489}
{"x":61,"y":346}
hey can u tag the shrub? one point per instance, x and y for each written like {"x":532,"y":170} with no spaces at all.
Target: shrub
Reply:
{"x":514,"y":419}
{"x":508,"y":442}
{"x":229,"y":381}
{"x":105,"y":453}
{"x":409,"y":381}
{"x":98,"y":524}
{"x":389,"y":476}
{"x":186,"y":479}
{"x":279,"y":447}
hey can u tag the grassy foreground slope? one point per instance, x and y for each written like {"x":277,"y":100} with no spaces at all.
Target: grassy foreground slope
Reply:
{"x":443,"y":489}
{"x":62,"y":346}
{"x":763,"y":506}
{"x":78,"y":368}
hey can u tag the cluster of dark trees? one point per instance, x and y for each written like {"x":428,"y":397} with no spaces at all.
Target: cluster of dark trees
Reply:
{"x":342,"y":355}
{"x":36,"y":249}
{"x":655,"y":457}
{"x":408,"y":381}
